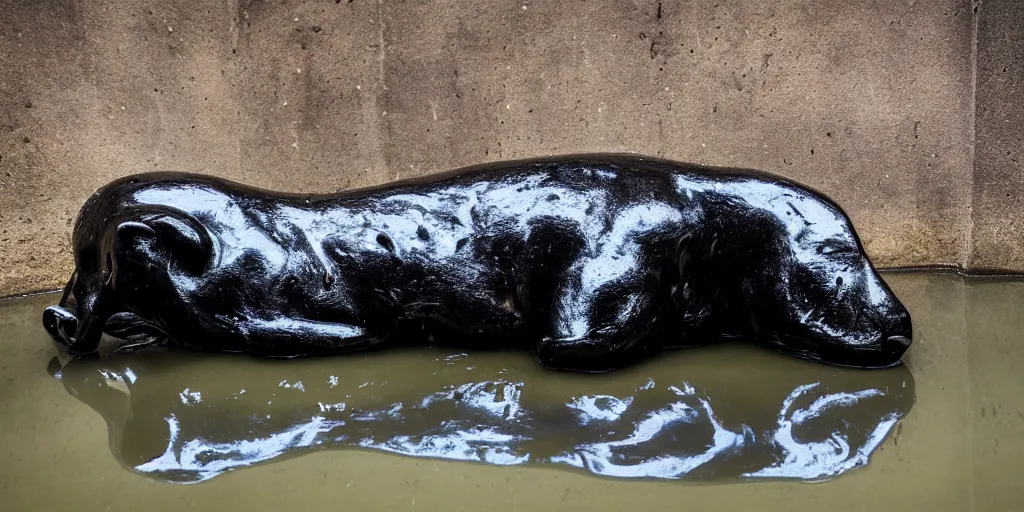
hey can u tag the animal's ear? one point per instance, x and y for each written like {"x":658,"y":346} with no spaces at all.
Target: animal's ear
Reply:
{"x":734,"y":238}
{"x":184,"y":242}
{"x":740,"y":253}
{"x":177,"y":234}
{"x":176,"y":239}
{"x":130,"y":233}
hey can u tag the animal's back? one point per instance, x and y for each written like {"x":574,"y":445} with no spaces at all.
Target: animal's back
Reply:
{"x":574,"y":187}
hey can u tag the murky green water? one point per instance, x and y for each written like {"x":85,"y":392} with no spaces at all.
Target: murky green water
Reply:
{"x":730,"y":426}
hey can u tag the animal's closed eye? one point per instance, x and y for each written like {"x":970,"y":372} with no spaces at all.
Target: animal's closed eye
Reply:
{"x":835,"y":248}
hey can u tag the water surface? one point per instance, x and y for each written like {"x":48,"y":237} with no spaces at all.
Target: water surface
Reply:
{"x":721,"y":414}
{"x":445,"y":430}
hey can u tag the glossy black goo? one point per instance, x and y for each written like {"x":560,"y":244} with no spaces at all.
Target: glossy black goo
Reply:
{"x":592,"y":261}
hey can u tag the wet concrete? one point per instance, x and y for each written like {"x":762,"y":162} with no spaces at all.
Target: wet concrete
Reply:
{"x":869,"y":101}
{"x":79,"y":441}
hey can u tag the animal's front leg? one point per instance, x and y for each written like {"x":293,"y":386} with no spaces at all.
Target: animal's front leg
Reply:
{"x":601,"y":325}
{"x":599,"y":350}
{"x":295,"y":337}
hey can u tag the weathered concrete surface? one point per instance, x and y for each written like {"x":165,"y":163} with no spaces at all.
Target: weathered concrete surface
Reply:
{"x":998,"y":231}
{"x":868,"y":101}
{"x":281,"y":96}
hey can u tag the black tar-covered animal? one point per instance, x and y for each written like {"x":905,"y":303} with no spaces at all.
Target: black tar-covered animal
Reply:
{"x":593,"y":261}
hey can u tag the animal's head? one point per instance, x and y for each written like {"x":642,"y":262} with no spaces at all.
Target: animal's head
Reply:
{"x":120,"y":248}
{"x":73,"y":321}
{"x":804,"y":282}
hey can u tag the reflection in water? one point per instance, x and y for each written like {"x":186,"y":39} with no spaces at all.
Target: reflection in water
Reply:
{"x":723,"y":413}
{"x":830,"y":456}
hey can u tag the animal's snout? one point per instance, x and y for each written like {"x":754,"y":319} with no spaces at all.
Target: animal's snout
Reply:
{"x":898,"y":344}
{"x":60,"y":324}
{"x":899,"y":334}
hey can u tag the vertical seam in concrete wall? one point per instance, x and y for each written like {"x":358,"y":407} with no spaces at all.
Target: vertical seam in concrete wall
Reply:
{"x":969,"y":256}
{"x":381,"y":88}
{"x":971,"y":138}
{"x":235,"y":31}
{"x":380,"y":44}
{"x":379,"y":158}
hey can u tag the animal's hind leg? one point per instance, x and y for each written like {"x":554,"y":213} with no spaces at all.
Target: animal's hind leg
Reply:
{"x":594,"y":352}
{"x":602,"y":325}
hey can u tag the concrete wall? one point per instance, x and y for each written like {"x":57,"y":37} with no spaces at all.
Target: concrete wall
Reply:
{"x":871,"y":102}
{"x":998,"y":194}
